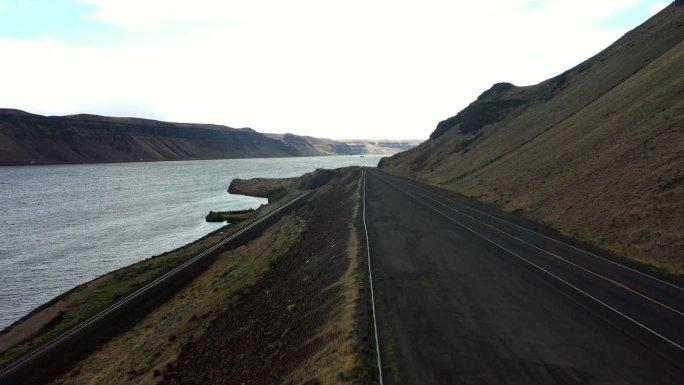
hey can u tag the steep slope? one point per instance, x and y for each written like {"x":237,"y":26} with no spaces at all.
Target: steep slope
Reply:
{"x":597,"y":152}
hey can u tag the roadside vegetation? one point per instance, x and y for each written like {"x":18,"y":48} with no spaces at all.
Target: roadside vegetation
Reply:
{"x":145,"y":354}
{"x":341,"y":358}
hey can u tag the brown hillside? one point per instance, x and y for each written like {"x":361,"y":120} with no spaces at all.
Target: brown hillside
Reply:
{"x":597,"y":152}
{"x":27,"y":139}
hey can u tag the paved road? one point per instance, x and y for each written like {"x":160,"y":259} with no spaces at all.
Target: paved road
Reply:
{"x":470,"y":295}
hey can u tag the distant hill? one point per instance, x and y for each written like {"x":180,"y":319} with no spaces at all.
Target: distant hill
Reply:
{"x":380,"y":146}
{"x":308,"y":145}
{"x":34,"y":139}
{"x":597,"y":152}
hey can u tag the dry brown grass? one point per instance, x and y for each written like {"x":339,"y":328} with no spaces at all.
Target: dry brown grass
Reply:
{"x":142,"y":354}
{"x":336,"y":360}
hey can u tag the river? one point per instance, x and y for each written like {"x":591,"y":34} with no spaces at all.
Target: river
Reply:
{"x":64,"y":225}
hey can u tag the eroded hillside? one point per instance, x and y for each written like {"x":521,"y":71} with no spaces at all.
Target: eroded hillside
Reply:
{"x":597,"y":152}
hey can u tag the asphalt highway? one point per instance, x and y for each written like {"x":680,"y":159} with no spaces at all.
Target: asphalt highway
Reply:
{"x":467,"y":294}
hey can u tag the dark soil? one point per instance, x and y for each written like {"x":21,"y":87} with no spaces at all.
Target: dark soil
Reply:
{"x":273,"y":327}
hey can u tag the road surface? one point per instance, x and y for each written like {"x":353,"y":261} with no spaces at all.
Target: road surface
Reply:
{"x":466,"y":294}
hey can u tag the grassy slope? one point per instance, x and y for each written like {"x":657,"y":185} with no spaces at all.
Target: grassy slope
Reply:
{"x":596,"y":152}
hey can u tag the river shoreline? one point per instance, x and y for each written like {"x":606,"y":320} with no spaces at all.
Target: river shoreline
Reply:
{"x":65,"y":225}
{"x":47,"y":321}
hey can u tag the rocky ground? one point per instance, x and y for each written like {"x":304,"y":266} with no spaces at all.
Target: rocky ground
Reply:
{"x":298,"y":324}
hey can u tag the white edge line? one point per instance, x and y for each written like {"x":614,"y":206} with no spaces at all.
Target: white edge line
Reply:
{"x":568,"y":261}
{"x":370,"y":278}
{"x":557,"y":241}
{"x":49,"y":345}
{"x":542,"y":269}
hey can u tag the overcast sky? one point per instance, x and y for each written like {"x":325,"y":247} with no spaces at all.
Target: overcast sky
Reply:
{"x":336,"y":69}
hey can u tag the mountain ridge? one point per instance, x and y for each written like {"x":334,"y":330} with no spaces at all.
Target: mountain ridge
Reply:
{"x":27,"y":138}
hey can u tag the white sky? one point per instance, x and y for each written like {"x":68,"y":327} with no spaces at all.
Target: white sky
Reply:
{"x":336,"y":69}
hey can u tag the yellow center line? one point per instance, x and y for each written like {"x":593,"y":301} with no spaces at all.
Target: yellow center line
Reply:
{"x":612,"y":281}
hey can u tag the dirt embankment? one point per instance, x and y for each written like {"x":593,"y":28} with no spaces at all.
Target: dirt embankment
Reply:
{"x":299,"y":323}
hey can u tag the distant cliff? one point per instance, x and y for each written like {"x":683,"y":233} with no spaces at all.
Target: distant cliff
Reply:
{"x":34,"y":139}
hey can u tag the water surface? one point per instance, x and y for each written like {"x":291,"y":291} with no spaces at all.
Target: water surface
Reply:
{"x":64,"y":225}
